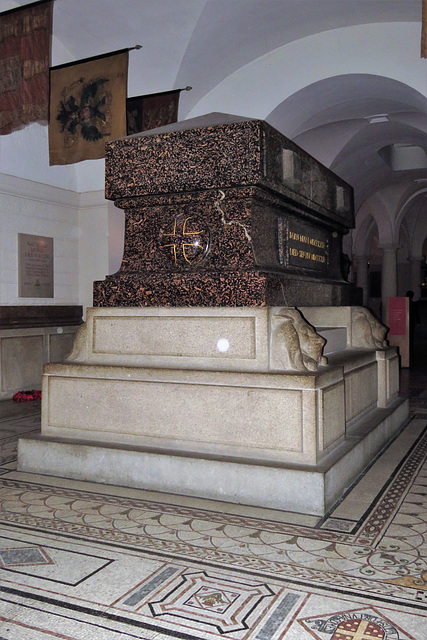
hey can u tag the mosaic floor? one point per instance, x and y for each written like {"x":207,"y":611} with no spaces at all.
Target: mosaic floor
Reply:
{"x":82,"y":561}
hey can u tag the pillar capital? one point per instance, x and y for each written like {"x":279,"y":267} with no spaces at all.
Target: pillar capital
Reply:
{"x":389,"y":246}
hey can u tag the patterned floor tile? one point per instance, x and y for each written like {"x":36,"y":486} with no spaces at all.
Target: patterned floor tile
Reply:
{"x":79,"y":560}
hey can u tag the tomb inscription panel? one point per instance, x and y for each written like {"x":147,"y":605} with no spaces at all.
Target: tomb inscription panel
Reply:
{"x":303,"y":245}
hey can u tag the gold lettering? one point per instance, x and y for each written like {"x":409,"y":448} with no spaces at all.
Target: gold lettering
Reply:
{"x":317,"y":258}
{"x":317,"y":243}
{"x":298,"y":237}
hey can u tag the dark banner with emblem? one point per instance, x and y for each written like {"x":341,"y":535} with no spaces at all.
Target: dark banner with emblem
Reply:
{"x":152,"y":111}
{"x":25,"y":42}
{"x":87,"y":107}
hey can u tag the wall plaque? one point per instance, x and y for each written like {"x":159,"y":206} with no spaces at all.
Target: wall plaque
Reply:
{"x":35,"y":266}
{"x":303,"y":245}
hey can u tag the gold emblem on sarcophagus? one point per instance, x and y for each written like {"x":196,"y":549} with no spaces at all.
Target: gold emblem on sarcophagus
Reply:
{"x":187,"y":241}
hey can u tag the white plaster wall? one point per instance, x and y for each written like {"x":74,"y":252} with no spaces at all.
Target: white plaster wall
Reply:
{"x":25,"y":153}
{"x":93,"y":243}
{"x":79,"y":226}
{"x":34,"y":208}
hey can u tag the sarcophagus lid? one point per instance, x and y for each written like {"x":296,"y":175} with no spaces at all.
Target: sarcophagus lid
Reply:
{"x":219,"y":151}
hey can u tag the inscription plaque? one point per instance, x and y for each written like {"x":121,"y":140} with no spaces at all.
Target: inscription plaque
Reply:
{"x":303,"y":245}
{"x":35,"y":266}
{"x":397,"y":316}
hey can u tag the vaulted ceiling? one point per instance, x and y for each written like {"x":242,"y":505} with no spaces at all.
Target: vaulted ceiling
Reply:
{"x":342,"y":78}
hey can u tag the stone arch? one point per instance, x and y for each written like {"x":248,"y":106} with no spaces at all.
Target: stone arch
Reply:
{"x":363,"y":237}
{"x":258,"y":87}
{"x":326,"y":115}
{"x":414,"y":206}
{"x":378,"y":208}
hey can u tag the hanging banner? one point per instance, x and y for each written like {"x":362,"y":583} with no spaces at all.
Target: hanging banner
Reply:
{"x":87,"y":107}
{"x":25,"y":42}
{"x":151,"y":111}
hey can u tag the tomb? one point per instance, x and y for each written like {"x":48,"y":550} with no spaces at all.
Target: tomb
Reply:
{"x":228,"y":358}
{"x":225,"y":211}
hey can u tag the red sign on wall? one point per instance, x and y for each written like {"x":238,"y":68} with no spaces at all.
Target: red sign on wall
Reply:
{"x":397,"y":316}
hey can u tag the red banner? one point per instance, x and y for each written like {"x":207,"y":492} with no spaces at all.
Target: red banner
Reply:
{"x":25,"y":42}
{"x":151,"y":111}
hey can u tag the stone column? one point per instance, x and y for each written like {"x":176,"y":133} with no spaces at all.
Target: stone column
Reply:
{"x":388,"y":274}
{"x":415,"y":275}
{"x":362,"y":276}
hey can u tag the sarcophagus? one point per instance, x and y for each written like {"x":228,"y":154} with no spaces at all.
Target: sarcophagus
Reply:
{"x":225,"y":211}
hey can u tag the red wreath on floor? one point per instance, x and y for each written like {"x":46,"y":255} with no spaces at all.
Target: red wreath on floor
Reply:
{"x":27,"y":396}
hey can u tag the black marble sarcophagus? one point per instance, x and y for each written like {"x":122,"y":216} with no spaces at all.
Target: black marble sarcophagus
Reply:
{"x":225,"y":211}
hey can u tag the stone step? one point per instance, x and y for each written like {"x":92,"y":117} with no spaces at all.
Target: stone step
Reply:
{"x":302,"y":489}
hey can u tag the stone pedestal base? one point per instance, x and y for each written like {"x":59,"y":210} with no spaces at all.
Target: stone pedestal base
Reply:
{"x":303,"y":489}
{"x":202,"y":402}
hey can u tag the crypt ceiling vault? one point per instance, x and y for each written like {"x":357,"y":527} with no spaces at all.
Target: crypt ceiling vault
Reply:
{"x":343,"y":78}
